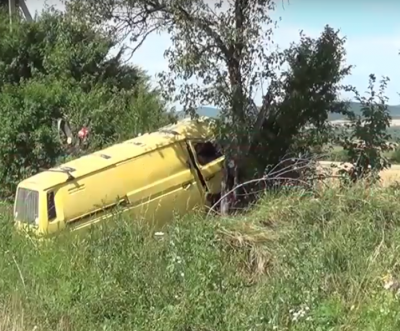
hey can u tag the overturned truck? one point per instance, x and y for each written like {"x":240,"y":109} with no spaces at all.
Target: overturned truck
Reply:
{"x":153,"y":177}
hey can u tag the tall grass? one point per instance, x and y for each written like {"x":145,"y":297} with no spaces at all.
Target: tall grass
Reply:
{"x":295,"y":263}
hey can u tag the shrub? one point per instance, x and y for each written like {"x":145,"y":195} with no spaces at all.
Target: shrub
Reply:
{"x":339,"y":156}
{"x":47,"y":72}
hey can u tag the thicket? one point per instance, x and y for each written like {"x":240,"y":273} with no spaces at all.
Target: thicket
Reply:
{"x":60,"y":67}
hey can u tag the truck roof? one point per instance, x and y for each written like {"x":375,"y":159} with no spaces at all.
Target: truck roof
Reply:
{"x":118,"y":153}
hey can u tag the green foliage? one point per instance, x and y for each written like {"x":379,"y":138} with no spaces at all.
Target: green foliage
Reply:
{"x":60,"y":67}
{"x":395,"y":156}
{"x":370,"y":129}
{"x":317,"y":264}
{"x":339,"y":155}
{"x":309,"y":93}
{"x":394,"y":132}
{"x":221,"y":57}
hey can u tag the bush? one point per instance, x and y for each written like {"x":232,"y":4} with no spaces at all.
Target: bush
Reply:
{"x":47,"y":72}
{"x":293,"y":255}
{"x":339,"y":156}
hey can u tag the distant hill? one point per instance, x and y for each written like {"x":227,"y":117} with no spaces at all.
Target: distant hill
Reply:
{"x":203,"y":111}
{"x":355,"y":106}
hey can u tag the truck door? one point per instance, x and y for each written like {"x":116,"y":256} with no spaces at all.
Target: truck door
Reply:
{"x":209,"y":160}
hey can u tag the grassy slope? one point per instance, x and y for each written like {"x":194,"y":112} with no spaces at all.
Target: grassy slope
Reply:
{"x":322,"y":256}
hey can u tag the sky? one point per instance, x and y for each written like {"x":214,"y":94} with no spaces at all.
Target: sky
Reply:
{"x":372,"y":29}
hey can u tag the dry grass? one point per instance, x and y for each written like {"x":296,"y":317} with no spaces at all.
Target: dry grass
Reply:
{"x":254,"y":239}
{"x":12,"y":320}
{"x":388,"y":176}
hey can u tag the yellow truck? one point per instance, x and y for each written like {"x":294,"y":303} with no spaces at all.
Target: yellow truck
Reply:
{"x":154,"y":176}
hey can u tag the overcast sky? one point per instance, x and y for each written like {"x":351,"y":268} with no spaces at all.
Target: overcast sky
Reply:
{"x":372,"y":29}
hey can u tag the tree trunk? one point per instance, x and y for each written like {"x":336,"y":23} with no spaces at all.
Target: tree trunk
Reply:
{"x":224,"y":204}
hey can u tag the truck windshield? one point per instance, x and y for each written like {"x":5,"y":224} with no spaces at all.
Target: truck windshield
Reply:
{"x":26,"y":205}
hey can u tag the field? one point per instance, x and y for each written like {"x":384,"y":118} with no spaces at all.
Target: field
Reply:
{"x":394,"y":123}
{"x":296,"y":262}
{"x":338,"y":154}
{"x":389,"y":176}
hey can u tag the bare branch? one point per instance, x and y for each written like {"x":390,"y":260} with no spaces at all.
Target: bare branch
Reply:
{"x":143,"y":39}
{"x":205,"y":25}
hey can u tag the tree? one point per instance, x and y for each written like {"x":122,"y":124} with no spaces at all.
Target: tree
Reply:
{"x":309,"y":90}
{"x":366,"y":137}
{"x":222,"y":51}
{"x":60,"y":67}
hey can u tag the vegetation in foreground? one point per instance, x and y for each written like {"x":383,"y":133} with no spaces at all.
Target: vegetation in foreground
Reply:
{"x":296,"y":262}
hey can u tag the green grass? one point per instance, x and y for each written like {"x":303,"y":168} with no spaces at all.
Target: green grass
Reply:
{"x":324,"y":256}
{"x":338,"y":154}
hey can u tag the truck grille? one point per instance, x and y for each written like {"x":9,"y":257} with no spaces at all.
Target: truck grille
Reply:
{"x":27,"y":205}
